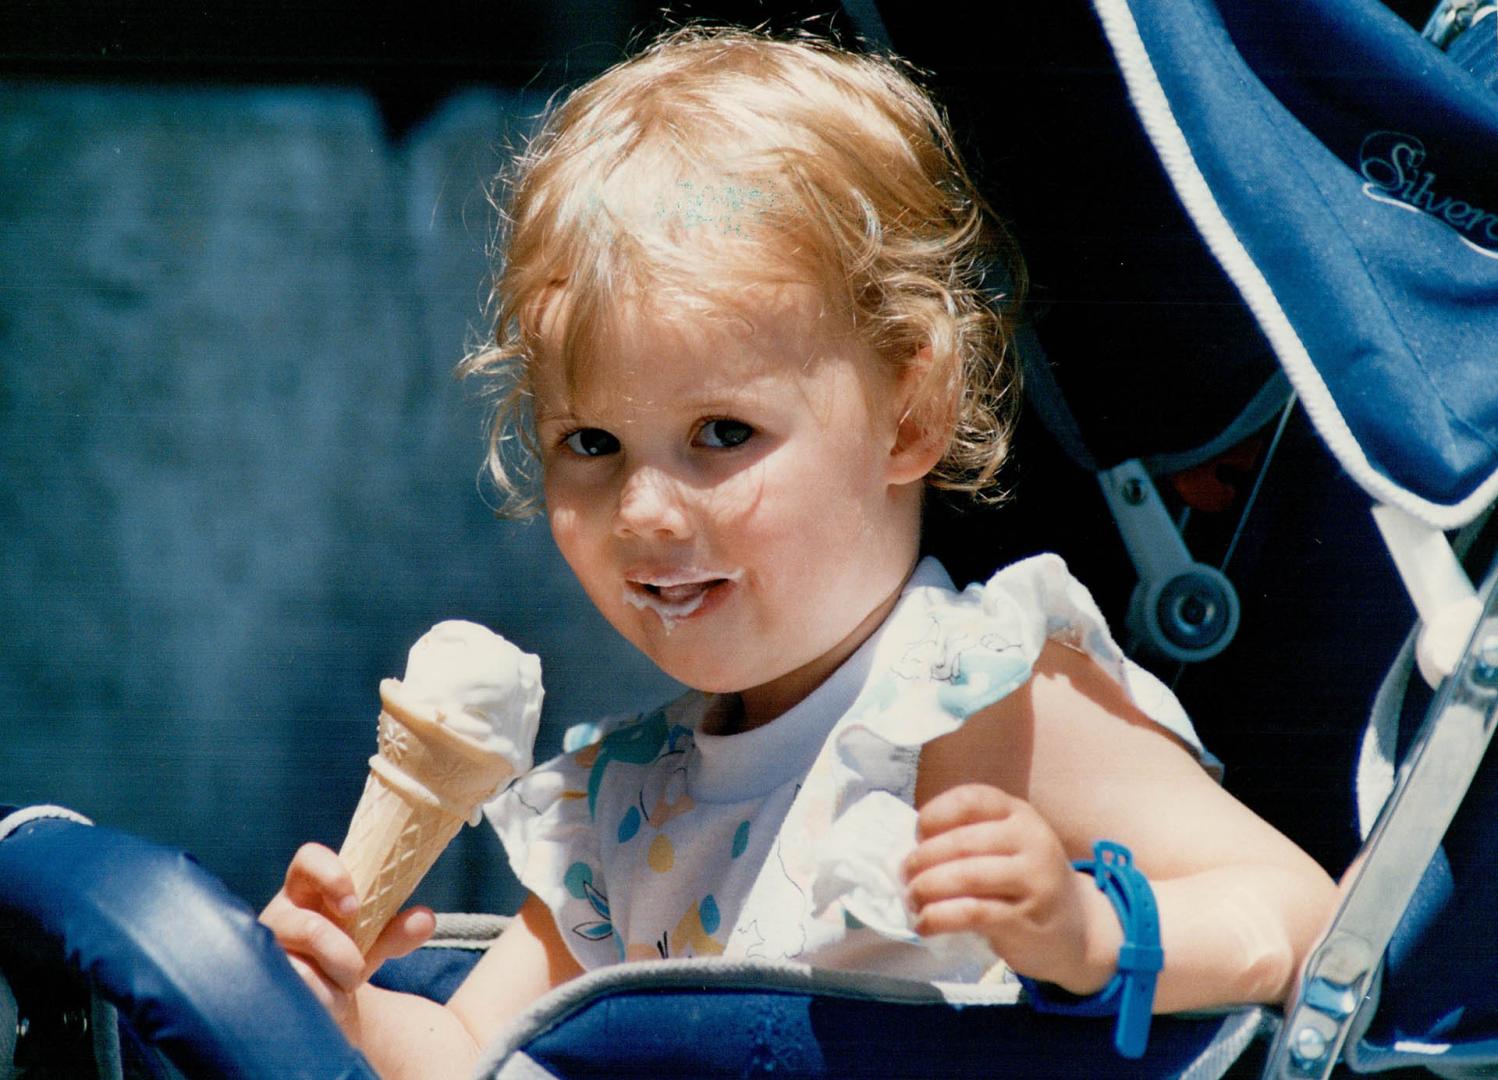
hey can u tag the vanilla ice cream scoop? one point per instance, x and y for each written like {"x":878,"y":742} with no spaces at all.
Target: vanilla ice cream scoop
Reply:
{"x":469,"y":679}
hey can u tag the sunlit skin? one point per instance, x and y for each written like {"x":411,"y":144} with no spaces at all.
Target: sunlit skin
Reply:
{"x":709,"y":475}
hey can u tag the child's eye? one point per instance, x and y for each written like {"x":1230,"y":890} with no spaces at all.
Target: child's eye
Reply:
{"x":724,"y":434}
{"x":591,"y":442}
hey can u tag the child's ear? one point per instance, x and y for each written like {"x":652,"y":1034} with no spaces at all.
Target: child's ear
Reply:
{"x":924,"y":426}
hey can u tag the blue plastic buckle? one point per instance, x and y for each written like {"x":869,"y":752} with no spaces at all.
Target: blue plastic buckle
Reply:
{"x":1131,"y":992}
{"x":1140,"y":958}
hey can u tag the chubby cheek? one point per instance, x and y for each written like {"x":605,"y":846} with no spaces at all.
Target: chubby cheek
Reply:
{"x":821,"y":503}
{"x":562,"y":517}
{"x":568,"y":529}
{"x":796,"y":532}
{"x":741,"y":504}
{"x":844,"y":542}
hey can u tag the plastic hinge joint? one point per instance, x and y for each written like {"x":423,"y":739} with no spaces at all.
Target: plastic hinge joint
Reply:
{"x":1331,"y":999}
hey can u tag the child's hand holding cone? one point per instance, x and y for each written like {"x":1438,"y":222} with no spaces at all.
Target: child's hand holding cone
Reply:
{"x":461,"y":723}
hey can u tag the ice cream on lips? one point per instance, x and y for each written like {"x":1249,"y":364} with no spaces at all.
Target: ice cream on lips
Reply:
{"x":676,"y":595}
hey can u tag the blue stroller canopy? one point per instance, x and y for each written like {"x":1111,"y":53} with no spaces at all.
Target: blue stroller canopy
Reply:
{"x":1344,"y":172}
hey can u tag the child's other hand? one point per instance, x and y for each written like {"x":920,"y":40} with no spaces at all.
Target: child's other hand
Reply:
{"x":308,"y":917}
{"x":987,"y":862}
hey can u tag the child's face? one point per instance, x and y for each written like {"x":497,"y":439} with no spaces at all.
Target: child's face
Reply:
{"x":735,"y":497}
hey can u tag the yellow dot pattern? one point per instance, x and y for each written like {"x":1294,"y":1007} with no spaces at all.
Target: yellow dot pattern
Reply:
{"x":661,"y":856}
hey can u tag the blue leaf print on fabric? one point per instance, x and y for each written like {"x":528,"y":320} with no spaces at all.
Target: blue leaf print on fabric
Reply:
{"x":981,"y":678}
{"x":577,"y":879}
{"x":597,"y":901}
{"x":740,"y":839}
{"x":634,"y":744}
{"x":629,"y":825}
{"x":579,"y":882}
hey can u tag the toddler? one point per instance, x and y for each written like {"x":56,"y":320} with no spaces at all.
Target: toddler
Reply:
{"x":741,"y":329}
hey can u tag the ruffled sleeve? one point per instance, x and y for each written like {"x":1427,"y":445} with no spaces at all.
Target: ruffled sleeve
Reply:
{"x":943,"y":657}
{"x":544,"y":820}
{"x":1044,"y":584}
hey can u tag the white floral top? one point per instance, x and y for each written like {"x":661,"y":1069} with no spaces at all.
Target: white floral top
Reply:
{"x":783,"y":842}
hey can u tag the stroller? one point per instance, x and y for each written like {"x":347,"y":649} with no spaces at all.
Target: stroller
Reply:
{"x":1351,"y":200}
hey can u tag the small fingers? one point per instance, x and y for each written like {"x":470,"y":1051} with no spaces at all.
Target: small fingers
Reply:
{"x":981,"y":877}
{"x":989,"y":837}
{"x":963,"y":805}
{"x":315,"y":939}
{"x":960,"y":914}
{"x":318,"y":879}
{"x":407,"y":931}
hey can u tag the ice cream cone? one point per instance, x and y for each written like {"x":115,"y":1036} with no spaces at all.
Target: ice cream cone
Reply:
{"x":424,"y":783}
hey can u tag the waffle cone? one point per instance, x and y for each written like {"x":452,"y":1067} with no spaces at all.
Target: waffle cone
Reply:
{"x":423,"y":784}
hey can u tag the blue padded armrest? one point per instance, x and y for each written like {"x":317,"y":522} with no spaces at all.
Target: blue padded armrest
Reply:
{"x":708,"y":1018}
{"x":732,"y":1034}
{"x":438,"y":968}
{"x":182,"y":959}
{"x":433,"y":972}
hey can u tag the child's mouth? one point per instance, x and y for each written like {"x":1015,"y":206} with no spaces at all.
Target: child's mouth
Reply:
{"x":680,"y":594}
{"x":675,"y":596}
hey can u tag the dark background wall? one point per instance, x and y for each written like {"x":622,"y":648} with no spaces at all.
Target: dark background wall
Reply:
{"x":241,"y":250}
{"x":236,"y":476}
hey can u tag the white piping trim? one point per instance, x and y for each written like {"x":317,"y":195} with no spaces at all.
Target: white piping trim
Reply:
{"x":1170,"y":144}
{"x":11,"y":822}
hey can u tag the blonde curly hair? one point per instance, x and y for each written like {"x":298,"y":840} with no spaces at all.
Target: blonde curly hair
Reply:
{"x":718,"y":159}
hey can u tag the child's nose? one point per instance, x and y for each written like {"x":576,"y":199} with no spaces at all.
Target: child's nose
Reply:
{"x":650,"y":504}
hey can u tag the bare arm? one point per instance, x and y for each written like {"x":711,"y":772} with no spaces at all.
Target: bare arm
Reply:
{"x":411,"y":1037}
{"x":1035,"y":780}
{"x":527,"y":961}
